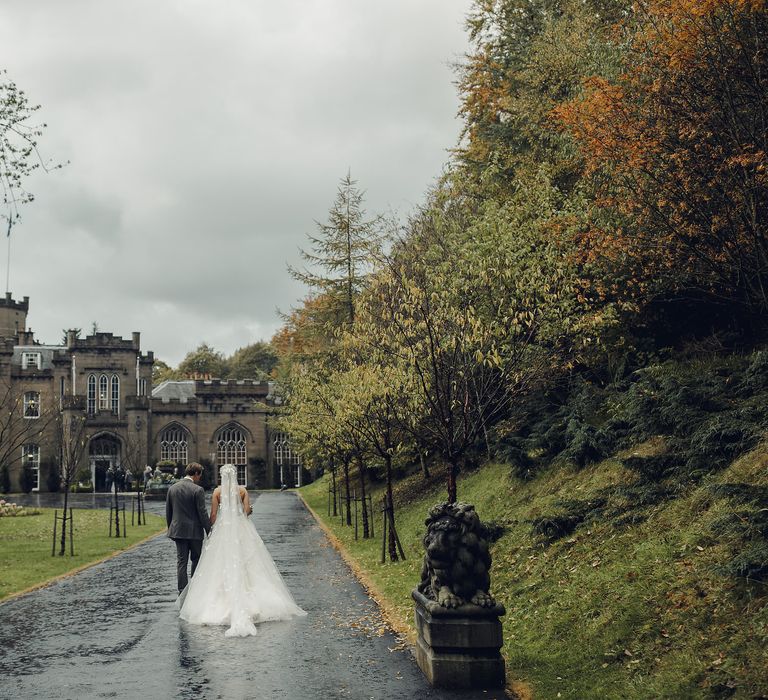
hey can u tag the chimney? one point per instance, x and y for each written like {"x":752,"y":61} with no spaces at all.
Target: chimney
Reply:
{"x":71,"y":338}
{"x":136,"y":339}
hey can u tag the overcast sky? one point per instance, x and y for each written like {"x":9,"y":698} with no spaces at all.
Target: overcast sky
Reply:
{"x":204,"y":138}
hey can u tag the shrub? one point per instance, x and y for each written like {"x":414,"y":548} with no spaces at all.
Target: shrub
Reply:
{"x":653,"y":468}
{"x":718,"y":442}
{"x":494,"y":530}
{"x":585,"y":444}
{"x":750,"y":563}
{"x":553,"y":527}
{"x":27,"y":479}
{"x":11,"y":510}
{"x":52,"y":475}
{"x":755,"y":378}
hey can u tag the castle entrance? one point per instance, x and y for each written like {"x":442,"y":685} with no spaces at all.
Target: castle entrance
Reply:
{"x":104,"y":457}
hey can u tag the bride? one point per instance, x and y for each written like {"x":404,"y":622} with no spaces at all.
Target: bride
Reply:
{"x":236,"y":583}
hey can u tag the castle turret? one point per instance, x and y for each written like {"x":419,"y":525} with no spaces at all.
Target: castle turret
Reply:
{"x":13,"y":316}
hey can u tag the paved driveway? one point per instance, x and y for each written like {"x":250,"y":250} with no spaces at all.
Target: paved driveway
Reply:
{"x":112,"y":631}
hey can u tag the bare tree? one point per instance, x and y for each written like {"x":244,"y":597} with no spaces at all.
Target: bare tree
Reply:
{"x":24,"y":419}
{"x":72,"y":440}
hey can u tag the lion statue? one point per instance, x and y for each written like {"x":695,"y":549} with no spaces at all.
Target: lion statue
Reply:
{"x":457,"y":561}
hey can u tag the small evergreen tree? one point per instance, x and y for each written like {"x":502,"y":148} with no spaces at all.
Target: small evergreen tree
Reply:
{"x":342,"y":253}
{"x":27,"y":480}
{"x":5,"y":479}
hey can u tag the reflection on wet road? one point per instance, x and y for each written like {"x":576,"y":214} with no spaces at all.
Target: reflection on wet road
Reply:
{"x":112,"y":631}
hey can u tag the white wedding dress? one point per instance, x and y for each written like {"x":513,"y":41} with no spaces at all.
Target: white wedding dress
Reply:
{"x":236,"y":582}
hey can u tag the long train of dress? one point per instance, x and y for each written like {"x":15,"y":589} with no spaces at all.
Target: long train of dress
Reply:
{"x":236,"y":582}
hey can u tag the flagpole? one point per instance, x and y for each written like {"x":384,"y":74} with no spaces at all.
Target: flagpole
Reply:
{"x":8,"y":262}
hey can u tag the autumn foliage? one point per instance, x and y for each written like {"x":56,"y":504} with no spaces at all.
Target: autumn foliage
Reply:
{"x":675,"y":146}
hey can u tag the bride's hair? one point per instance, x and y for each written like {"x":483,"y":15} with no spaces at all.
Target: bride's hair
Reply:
{"x":228,"y":469}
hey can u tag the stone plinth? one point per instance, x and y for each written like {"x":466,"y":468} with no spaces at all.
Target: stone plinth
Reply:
{"x":459,"y":648}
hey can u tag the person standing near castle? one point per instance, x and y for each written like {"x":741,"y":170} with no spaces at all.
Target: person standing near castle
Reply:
{"x":187,"y":520}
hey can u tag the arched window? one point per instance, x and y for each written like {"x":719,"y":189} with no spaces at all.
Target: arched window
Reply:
{"x":115,"y":394}
{"x":286,"y":457}
{"x":91,"y":394}
{"x":103,"y":393}
{"x":32,"y":404}
{"x":231,"y":449}
{"x":173,"y":443}
{"x":30,"y":459}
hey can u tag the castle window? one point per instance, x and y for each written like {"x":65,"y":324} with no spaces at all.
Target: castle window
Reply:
{"x":31,"y":360}
{"x":231,"y":449}
{"x":173,"y":444}
{"x":115,"y":394}
{"x":92,"y":394}
{"x":286,"y":457}
{"x":103,"y":392}
{"x":30,"y":459}
{"x":32,"y":404}
{"x":142,"y":387}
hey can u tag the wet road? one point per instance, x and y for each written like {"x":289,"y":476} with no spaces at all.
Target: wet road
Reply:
{"x":112,"y":631}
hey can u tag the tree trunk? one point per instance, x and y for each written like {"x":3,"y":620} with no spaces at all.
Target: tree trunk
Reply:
{"x":391,"y":511}
{"x":117,"y":512}
{"x":364,"y":503}
{"x":63,"y":547}
{"x":335,"y":493}
{"x":453,"y":471}
{"x":424,"y":467}
{"x":347,"y":497}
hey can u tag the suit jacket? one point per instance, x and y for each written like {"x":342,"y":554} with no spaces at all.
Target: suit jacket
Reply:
{"x":185,"y":511}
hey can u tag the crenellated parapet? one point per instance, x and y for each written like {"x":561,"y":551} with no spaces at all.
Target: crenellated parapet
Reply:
{"x":103,"y":341}
{"x":173,"y":405}
{"x":8,"y":303}
{"x":231,"y":387}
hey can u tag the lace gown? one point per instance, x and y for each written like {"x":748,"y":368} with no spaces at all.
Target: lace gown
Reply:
{"x":236,"y":582}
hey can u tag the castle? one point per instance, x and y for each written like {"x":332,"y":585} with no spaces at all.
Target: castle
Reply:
{"x":107,"y":380}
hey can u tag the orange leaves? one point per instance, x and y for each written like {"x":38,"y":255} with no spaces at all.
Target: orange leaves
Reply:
{"x":674,"y":147}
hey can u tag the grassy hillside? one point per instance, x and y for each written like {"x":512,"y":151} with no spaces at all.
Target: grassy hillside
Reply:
{"x":611,"y":592}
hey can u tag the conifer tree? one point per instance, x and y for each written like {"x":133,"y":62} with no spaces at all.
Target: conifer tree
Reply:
{"x":341,"y":253}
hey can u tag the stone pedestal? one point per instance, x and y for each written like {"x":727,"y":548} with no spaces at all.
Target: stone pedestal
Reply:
{"x":459,"y":648}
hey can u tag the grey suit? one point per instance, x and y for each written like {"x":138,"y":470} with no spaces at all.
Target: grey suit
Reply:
{"x":187,"y":520}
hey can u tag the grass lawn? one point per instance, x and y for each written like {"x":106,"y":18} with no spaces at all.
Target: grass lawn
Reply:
{"x":635,"y":609}
{"x":25,"y":546}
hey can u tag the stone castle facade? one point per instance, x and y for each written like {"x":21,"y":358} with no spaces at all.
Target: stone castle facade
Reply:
{"x":108,"y":380}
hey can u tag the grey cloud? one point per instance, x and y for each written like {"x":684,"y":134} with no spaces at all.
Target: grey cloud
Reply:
{"x":205,"y":138}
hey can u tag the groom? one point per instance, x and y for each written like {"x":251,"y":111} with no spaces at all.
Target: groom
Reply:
{"x":187,"y":519}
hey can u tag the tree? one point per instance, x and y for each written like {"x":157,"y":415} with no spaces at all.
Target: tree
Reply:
{"x":24,"y":419}
{"x":309,"y":417}
{"x":342,"y":253}
{"x":134,"y":454}
{"x":162,"y":371}
{"x":677,"y":150}
{"x":373,"y":395}
{"x":469,"y":312}
{"x":255,"y":361}
{"x":19,"y":155}
{"x":203,"y":361}
{"x":526,"y":58}
{"x":71,"y":438}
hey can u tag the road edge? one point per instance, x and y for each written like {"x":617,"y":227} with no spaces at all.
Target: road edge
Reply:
{"x":73,"y":572}
{"x":390,"y":614}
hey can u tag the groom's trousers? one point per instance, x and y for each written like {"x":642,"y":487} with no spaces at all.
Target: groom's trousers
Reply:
{"x":186,"y":550}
